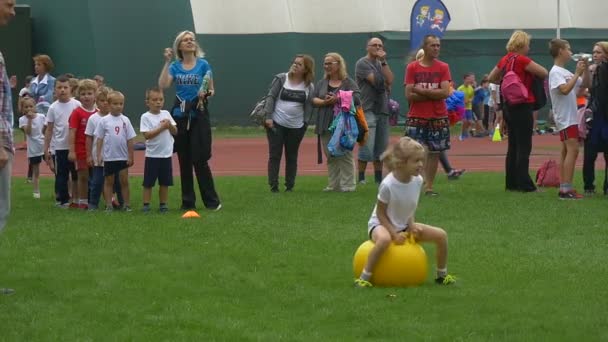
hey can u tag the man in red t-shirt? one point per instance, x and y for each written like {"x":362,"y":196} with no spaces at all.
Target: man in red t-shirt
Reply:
{"x":77,"y":143}
{"x":427,"y":85}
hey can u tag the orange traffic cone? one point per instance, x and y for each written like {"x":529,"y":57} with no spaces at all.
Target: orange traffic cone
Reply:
{"x":191,"y":214}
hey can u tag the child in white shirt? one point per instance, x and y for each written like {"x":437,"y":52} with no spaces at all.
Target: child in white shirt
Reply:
{"x":393,"y":214}
{"x":33,"y":124}
{"x":158,"y":128}
{"x":115,"y":149}
{"x":563,"y":87}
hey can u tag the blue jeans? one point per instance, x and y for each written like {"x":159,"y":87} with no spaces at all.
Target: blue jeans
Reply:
{"x":62,"y":175}
{"x":96,"y":187}
{"x":377,"y":140}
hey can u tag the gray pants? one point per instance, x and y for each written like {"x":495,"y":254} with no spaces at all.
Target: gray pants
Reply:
{"x":5,"y":190}
{"x":341,"y":169}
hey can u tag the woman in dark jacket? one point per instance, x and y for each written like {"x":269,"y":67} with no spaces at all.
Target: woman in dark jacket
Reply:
{"x":597,"y":138}
{"x":289,"y":108}
{"x":519,"y":117}
{"x":341,"y":169}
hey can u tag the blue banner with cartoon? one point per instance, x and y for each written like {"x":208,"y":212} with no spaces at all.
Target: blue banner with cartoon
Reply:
{"x":428,"y":17}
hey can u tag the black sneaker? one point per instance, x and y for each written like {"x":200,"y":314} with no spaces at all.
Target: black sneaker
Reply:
{"x":163,"y":210}
{"x":455,"y":174}
{"x":274,"y":189}
{"x":572,"y":194}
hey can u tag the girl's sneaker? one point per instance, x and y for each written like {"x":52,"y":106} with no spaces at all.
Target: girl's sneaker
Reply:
{"x":362,"y":283}
{"x":447,"y":280}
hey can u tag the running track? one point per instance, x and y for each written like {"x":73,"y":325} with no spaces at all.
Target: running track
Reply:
{"x":248,"y":156}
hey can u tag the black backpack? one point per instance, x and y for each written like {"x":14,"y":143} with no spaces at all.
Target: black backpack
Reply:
{"x":538,"y":89}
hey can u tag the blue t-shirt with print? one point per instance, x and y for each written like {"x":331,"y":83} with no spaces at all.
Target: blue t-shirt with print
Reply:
{"x":188,"y":82}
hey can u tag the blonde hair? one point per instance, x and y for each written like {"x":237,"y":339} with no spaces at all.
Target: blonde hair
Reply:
{"x":102,"y":92}
{"x":87,"y":84}
{"x":115,"y":95}
{"x":400,"y":151}
{"x":46,"y":61}
{"x":419,"y":54}
{"x":23,"y":100}
{"x":604,"y":46}
{"x":73,"y":86}
{"x":342,"y":70}
{"x":199,"y":53}
{"x":309,"y":68}
{"x":519,"y":40}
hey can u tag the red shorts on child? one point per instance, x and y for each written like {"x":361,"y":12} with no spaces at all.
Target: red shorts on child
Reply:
{"x":571,"y":132}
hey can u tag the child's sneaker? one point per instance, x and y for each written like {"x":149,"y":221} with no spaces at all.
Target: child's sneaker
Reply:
{"x":145,"y":209}
{"x":163,"y":209}
{"x":36,"y":195}
{"x":362,"y":283}
{"x":127,"y":208}
{"x":447,"y":280}
{"x":572,"y":194}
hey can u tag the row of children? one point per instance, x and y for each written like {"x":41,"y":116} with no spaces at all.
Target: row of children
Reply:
{"x":78,"y":136}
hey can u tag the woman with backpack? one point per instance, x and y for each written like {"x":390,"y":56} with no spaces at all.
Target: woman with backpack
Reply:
{"x":289,"y":106}
{"x":516,"y":71}
{"x":597,"y":136}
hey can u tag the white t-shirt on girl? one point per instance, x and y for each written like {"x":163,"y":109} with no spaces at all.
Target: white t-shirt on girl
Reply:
{"x":401,"y":199}
{"x":35,"y":140}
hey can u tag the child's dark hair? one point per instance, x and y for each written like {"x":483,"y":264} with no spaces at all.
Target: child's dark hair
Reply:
{"x":468,"y":74}
{"x":400,"y":151}
{"x":28,"y":79}
{"x":153,"y":90}
{"x":62,"y":79}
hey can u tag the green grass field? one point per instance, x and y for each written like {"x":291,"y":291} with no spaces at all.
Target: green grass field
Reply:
{"x":278,"y":267}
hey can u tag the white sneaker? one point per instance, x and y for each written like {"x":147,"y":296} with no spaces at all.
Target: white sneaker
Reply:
{"x":36,"y":195}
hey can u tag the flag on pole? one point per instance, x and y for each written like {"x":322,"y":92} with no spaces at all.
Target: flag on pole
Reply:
{"x":427,"y":17}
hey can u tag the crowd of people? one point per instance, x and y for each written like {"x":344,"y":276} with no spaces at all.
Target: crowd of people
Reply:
{"x":79,"y":129}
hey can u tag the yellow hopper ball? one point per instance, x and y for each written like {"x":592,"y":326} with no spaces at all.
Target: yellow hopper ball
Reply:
{"x":399,"y":266}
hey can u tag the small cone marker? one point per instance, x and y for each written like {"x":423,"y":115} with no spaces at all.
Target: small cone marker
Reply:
{"x":191,"y":214}
{"x":496,"y":137}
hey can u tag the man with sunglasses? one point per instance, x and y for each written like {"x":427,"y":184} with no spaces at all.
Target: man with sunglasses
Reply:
{"x":374,"y":78}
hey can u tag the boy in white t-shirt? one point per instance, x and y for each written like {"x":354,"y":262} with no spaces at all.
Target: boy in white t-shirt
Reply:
{"x":97,"y":179}
{"x":158,"y":128}
{"x":563,"y":87}
{"x":32,"y":124}
{"x":115,"y":149}
{"x":57,"y":135}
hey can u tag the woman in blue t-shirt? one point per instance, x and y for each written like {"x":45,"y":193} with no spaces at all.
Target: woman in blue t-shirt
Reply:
{"x":193,"y":80}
